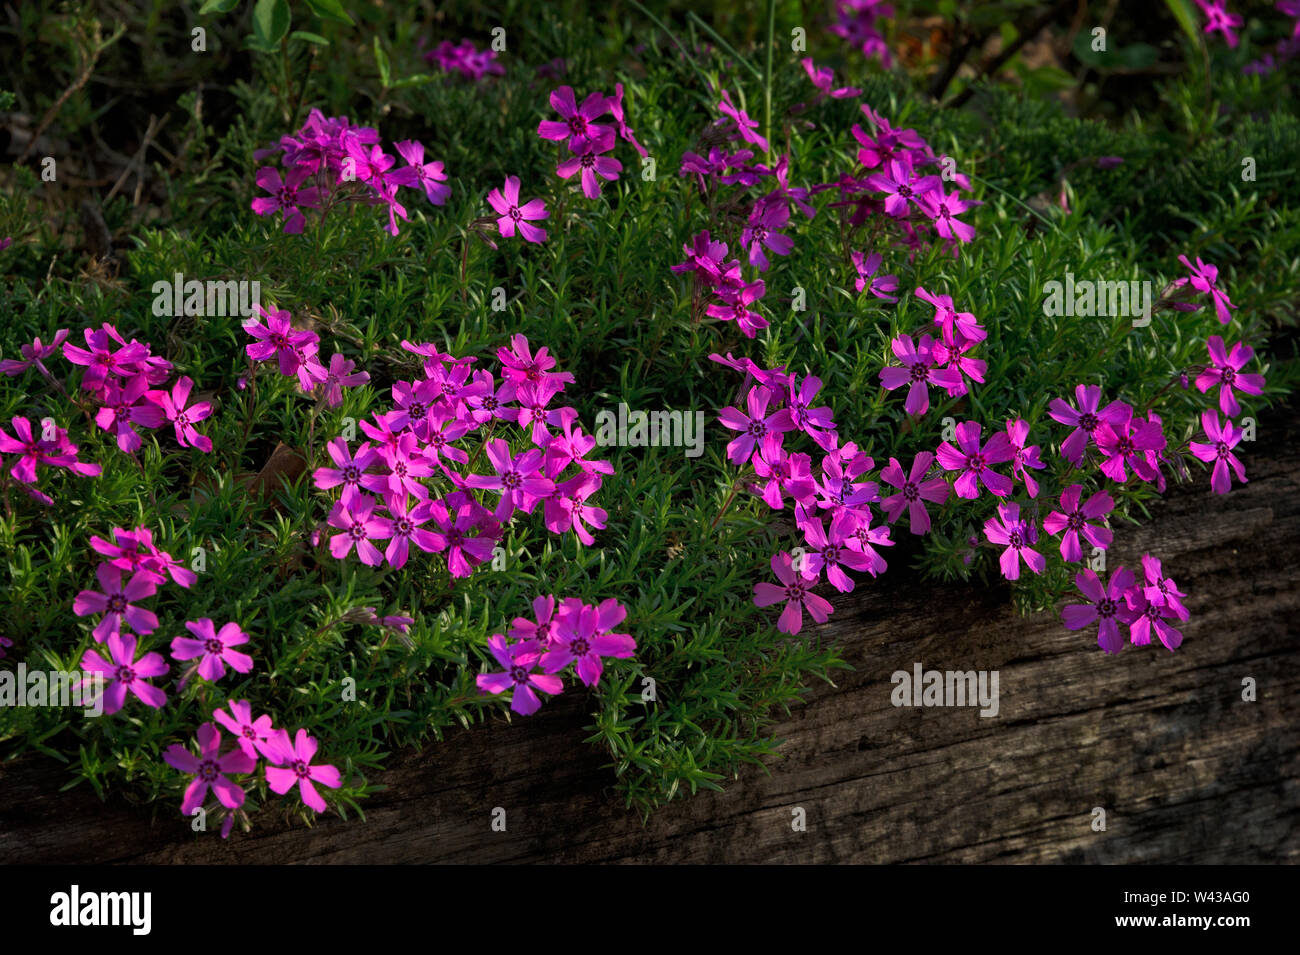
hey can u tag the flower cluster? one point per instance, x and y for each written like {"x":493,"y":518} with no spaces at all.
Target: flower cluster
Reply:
{"x":119,"y":380}
{"x":855,"y":21}
{"x":329,"y":161}
{"x":465,"y":60}
{"x":296,"y":352}
{"x":561,"y":634}
{"x":943,"y":360}
{"x":1144,"y":607}
{"x":588,"y":141}
{"x":831,"y":505}
{"x":289,"y":762}
{"x":415,"y":468}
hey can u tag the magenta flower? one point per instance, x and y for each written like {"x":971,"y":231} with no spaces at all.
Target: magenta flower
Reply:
{"x":1023,"y":457}
{"x":817,"y":423}
{"x":591,"y":164}
{"x":123,"y":673}
{"x":117,"y":602}
{"x":1073,"y":519}
{"x":521,"y":366}
{"x":126,"y":406}
{"x":883,"y":286}
{"x":543,"y":628}
{"x":295,"y":766}
{"x":251,"y":734}
{"x":350,"y":468}
{"x":913,"y":492}
{"x":1203,"y":278}
{"x":784,"y":473}
{"x":514,"y":216}
{"x":1085,"y":419}
{"x":1008,"y":529}
{"x":34,"y":354}
{"x":974,"y":462}
{"x":183,"y":418}
{"x":824,"y":79}
{"x":34,"y":452}
{"x":795,"y":591}
{"x":419,"y":174}
{"x":1222,"y":439}
{"x":624,"y":131}
{"x":736,"y":304}
{"x":1105,"y":604}
{"x":1129,"y":443}
{"x":744,"y":125}
{"x":577,"y":123}
{"x":1149,"y":617}
{"x":919,"y":370}
{"x":339,"y":375}
{"x":952,"y":324}
{"x":832,"y":552}
{"x":519,"y":661}
{"x":354,"y":515}
{"x":276,"y":337}
{"x":944,"y":209}
{"x":1217,"y":17}
{"x":101,"y":360}
{"x":516,"y":478}
{"x":582,"y":639}
{"x":764,"y":219}
{"x":903,"y":187}
{"x":209,"y":769}
{"x":755,"y":426}
{"x":567,"y":508}
{"x":406,"y":523}
{"x":287,"y":196}
{"x":464,"y":551}
{"x":1162,"y":590}
{"x":1225,"y":369}
{"x":213,"y":647}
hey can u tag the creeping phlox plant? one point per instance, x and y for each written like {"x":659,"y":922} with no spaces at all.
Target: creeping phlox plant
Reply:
{"x":329,"y":162}
{"x":832,"y":500}
{"x":908,"y":391}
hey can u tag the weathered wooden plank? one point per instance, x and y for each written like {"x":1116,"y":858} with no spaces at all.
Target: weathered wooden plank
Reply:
{"x":1186,"y":770}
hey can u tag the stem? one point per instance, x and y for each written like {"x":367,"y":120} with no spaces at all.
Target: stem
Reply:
{"x":767,"y":84}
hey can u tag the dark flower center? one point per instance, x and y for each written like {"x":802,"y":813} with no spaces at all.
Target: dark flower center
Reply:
{"x":1088,"y":421}
{"x":1106,"y":607}
{"x":124,"y":674}
{"x":910,"y":492}
{"x":213,"y":645}
{"x":117,"y":604}
{"x":208,"y":770}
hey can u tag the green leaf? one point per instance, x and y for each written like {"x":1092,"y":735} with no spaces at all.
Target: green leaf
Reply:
{"x":1182,"y":11}
{"x":218,"y":6}
{"x":271,"y":21}
{"x":330,"y":10}
{"x":381,"y":58}
{"x":419,"y":79}
{"x":309,"y":37}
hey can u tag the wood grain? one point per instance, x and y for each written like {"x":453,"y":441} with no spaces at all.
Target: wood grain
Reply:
{"x":1186,"y":770}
